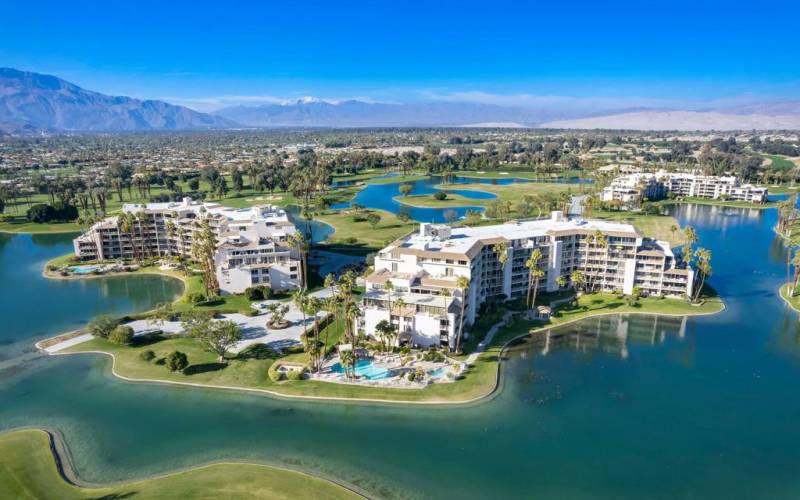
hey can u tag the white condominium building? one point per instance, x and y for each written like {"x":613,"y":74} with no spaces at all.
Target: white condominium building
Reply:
{"x":636,"y":187}
{"x":426,"y":263}
{"x":252,"y":246}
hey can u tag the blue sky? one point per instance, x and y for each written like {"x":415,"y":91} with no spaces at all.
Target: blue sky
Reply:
{"x":625,"y":53}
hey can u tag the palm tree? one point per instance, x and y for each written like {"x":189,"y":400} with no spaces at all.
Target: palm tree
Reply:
{"x":589,"y":240}
{"x":600,"y":241}
{"x":389,"y":287}
{"x":532,"y":263}
{"x":704,"y":269}
{"x":351,"y":314}
{"x":125,"y":225}
{"x":313,"y":306}
{"x":501,"y":249}
{"x":691,"y":239}
{"x":578,"y":279}
{"x":796,"y":264}
{"x":562,"y":281}
{"x":298,"y":242}
{"x":463,"y":285}
{"x":300,"y":300}
{"x":171,"y":229}
{"x":347,"y":359}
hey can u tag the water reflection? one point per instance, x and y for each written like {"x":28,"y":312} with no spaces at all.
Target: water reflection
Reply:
{"x":607,"y":335}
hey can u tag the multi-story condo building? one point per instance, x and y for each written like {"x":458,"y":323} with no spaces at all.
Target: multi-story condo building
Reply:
{"x":425,"y":264}
{"x":632,"y":188}
{"x":252,"y":247}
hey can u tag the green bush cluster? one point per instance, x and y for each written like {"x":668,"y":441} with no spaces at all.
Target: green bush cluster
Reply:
{"x":433,"y":356}
{"x":147,"y":356}
{"x":42,"y":212}
{"x":195,"y":297}
{"x":258,"y":292}
{"x":121,"y":335}
{"x":177,"y":361}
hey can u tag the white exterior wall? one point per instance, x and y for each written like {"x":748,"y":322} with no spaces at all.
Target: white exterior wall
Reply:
{"x":554,"y":264}
{"x":629,"y":277}
{"x":425,"y":330}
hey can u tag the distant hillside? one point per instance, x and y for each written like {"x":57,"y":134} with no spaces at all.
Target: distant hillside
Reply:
{"x":319,"y":113}
{"x":31,"y":102}
{"x":756,"y":117}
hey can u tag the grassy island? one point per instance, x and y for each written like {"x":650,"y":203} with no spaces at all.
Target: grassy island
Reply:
{"x":30,"y":468}
{"x":249,"y":370}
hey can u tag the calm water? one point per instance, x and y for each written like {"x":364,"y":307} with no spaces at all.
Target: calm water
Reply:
{"x":35,"y":307}
{"x":381,"y":195}
{"x":624,"y":407}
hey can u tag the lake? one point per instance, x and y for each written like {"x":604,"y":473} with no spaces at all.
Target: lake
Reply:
{"x":381,"y":196}
{"x":617,"y":407}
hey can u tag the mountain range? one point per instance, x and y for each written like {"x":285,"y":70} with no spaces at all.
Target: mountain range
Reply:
{"x":312,"y":112}
{"x":32,"y":102}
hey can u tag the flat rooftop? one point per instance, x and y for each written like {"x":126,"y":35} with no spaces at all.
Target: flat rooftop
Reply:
{"x":462,"y":239}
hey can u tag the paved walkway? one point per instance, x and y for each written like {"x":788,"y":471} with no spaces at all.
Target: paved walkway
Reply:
{"x":69,"y":343}
{"x":489,"y":337}
{"x":254,"y":328}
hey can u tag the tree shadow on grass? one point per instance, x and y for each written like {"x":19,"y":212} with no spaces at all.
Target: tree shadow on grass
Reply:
{"x":257,"y":351}
{"x":211,"y":303}
{"x":203,"y":368}
{"x":147,"y":339}
{"x":116,"y":496}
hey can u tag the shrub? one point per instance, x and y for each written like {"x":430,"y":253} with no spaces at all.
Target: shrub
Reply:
{"x":147,"y":356}
{"x":275,"y":375}
{"x":195,"y":297}
{"x":102,"y":326}
{"x":294,"y":375}
{"x":440,"y":195}
{"x":121,"y":335}
{"x":254,"y":293}
{"x":434,"y":356}
{"x":351,"y":240}
{"x":41,"y":213}
{"x":266,"y":291}
{"x":177,"y":361}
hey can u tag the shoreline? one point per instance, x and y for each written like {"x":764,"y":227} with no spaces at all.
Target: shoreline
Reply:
{"x":485,"y":396}
{"x":65,"y":467}
{"x":783,"y":294}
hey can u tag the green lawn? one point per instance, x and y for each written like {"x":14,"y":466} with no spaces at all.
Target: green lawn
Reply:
{"x":427,"y":200}
{"x":28,"y":470}
{"x":237,"y":199}
{"x":414,"y":176}
{"x":388,"y":229}
{"x":780,"y":189}
{"x":249,"y":369}
{"x":21,"y":225}
{"x":520,"y":174}
{"x":779,"y":162}
{"x":653,"y":226}
{"x":508,"y":193}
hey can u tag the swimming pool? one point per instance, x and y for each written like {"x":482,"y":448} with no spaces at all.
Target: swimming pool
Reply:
{"x":85,"y":269}
{"x":365,"y":369}
{"x":438,"y":372}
